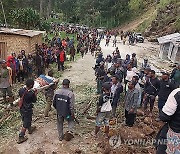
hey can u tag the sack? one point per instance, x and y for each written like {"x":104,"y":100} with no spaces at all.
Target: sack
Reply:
{"x":106,"y":106}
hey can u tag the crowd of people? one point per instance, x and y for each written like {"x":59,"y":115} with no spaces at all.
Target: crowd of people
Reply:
{"x":115,"y":76}
{"x":141,"y":87}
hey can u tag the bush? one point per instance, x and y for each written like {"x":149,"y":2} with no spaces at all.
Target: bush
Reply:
{"x":44,"y":25}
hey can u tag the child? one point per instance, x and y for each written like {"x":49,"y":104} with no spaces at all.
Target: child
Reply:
{"x":104,"y":109}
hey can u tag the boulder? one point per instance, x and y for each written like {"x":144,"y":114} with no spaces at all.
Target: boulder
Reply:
{"x":78,"y":151}
{"x":140,"y":112}
{"x":148,"y":130}
{"x":112,"y":132}
{"x":131,"y":133}
{"x":148,"y":120}
{"x":112,"y":122}
{"x":68,"y":136}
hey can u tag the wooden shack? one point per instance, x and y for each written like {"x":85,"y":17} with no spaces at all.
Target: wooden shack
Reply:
{"x":165,"y":42}
{"x":15,"y":40}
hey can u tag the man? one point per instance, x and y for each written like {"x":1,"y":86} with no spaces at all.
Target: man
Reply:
{"x":39,"y":63}
{"x":171,"y":114}
{"x":175,"y":75}
{"x":104,"y":109}
{"x":63,"y":102}
{"x":151,"y":91}
{"x":49,"y":93}
{"x":134,"y":60}
{"x":114,"y":42}
{"x":107,"y":41}
{"x":12,"y":64}
{"x":116,"y":90}
{"x":131,"y":100}
{"x":100,"y":75}
{"x":119,"y":70}
{"x":166,"y":87}
{"x":129,"y":75}
{"x":22,"y":68}
{"x":135,"y":79}
{"x":61,"y":59}
{"x":72,"y":53}
{"x":28,"y":97}
{"x":6,"y":82}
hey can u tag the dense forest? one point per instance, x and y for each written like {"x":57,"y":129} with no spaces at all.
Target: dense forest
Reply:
{"x":99,"y":13}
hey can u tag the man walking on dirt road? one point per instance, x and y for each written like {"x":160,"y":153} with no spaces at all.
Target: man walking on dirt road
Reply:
{"x":63,"y":102}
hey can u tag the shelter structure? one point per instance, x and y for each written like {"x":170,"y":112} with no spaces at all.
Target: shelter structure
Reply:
{"x":170,"y":47}
{"x":15,"y":40}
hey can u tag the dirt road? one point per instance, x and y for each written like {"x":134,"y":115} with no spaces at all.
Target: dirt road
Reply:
{"x":45,"y":139}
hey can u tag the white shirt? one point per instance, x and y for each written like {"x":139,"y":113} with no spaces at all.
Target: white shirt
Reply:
{"x":171,"y":104}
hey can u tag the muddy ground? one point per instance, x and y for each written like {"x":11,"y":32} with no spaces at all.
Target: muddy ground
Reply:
{"x":45,"y":139}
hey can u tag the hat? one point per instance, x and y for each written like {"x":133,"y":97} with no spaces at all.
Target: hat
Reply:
{"x":2,"y":61}
{"x":106,"y":85}
{"x":66,"y":82}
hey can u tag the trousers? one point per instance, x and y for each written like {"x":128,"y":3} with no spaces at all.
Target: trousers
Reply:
{"x":60,"y":123}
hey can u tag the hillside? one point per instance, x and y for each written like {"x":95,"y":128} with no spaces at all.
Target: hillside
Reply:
{"x":153,"y":17}
{"x":157,"y":20}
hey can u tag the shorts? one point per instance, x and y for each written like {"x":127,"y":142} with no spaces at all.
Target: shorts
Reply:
{"x":7,"y":91}
{"x":26,"y":119}
{"x":103,"y":119}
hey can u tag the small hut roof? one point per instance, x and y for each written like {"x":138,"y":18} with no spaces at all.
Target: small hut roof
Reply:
{"x":168,"y":38}
{"x":22,"y":32}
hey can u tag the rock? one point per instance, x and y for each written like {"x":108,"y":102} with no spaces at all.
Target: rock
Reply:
{"x":68,"y":136}
{"x":131,"y":133}
{"x":78,"y":151}
{"x":152,"y":39}
{"x":148,"y":130}
{"x":112,"y":122}
{"x":148,"y":120}
{"x":107,"y":150}
{"x":90,"y":117}
{"x":140,"y":112}
{"x":112,"y":132}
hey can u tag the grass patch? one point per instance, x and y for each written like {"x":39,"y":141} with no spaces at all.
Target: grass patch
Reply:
{"x":164,"y":3}
{"x":146,"y":23}
{"x":177,"y":24}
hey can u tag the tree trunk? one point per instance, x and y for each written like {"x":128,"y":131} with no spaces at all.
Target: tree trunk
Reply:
{"x":49,"y":8}
{"x":41,"y":8}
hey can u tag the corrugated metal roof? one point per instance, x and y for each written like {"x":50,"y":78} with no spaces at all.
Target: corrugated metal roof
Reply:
{"x":168,"y":38}
{"x":28,"y":33}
